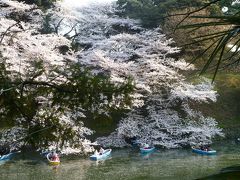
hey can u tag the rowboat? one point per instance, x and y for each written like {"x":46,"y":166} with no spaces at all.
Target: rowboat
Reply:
{"x":203,"y":152}
{"x":147,"y":149}
{"x":51,"y":162}
{"x":106,"y":153}
{"x":6,"y":157}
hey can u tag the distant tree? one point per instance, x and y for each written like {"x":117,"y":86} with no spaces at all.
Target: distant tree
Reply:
{"x":221,"y":44}
{"x":152,"y":12}
{"x":42,"y":3}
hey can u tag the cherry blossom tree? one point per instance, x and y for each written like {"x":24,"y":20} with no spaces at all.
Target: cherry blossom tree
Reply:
{"x":92,"y":63}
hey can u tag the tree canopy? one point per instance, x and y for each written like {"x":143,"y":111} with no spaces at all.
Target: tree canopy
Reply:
{"x":153,"y":12}
{"x":41,"y":3}
{"x":221,"y":44}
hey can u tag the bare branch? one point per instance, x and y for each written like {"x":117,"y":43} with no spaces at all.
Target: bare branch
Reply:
{"x":70,"y":30}
{"x":58,"y":25}
{"x":8,"y":29}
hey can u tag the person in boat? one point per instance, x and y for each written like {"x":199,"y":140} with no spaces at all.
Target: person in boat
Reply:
{"x":146,"y":146}
{"x":101,"y":151}
{"x":201,"y":147}
{"x":54,"y":157}
{"x":204,"y":148}
{"x":208,"y":148}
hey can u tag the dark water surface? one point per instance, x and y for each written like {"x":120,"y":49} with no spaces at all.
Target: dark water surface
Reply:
{"x":130,"y":164}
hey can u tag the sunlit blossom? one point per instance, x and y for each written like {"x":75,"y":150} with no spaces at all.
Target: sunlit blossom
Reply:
{"x":225,"y":9}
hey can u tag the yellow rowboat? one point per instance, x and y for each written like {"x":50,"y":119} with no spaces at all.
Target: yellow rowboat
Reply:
{"x":54,"y":163}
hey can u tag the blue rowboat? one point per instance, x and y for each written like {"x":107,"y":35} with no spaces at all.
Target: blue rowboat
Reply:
{"x":104,"y":155}
{"x":199,"y":151}
{"x":147,"y":149}
{"x":7,"y":157}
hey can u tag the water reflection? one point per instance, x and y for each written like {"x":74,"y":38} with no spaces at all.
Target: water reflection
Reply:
{"x":102,"y":161}
{"x":130,"y":164}
{"x":55,"y":168}
{"x":2,"y":162}
{"x":146,"y":155}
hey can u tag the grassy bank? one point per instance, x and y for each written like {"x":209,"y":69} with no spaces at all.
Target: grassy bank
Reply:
{"x":227,"y":108}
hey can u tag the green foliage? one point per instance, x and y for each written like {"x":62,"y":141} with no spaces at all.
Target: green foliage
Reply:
{"x":41,"y":3}
{"x":226,"y":109}
{"x":232,"y":9}
{"x":153,"y":12}
{"x":47,"y":28}
{"x":78,"y":88}
{"x":87,"y":89}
